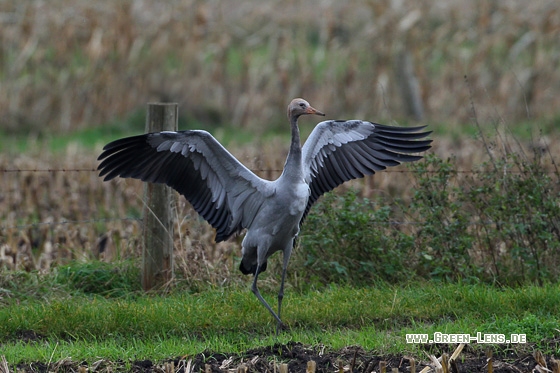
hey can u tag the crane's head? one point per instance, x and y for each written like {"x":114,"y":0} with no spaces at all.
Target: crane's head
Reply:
{"x":299,"y":106}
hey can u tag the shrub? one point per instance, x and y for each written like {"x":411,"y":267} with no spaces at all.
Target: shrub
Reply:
{"x":499,"y":224}
{"x":518,"y":205}
{"x":442,"y":236}
{"x":352,"y":240}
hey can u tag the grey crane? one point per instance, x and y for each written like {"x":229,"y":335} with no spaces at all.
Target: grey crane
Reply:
{"x":232,"y":198}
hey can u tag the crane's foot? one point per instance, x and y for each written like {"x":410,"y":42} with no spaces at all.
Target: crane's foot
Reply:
{"x":281,"y":327}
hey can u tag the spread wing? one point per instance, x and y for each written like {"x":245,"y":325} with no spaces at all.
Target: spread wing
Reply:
{"x":221,"y":189}
{"x":338,"y":151}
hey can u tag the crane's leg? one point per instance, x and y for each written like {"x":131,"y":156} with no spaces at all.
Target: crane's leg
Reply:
{"x":286,"y":259}
{"x":255,"y":290}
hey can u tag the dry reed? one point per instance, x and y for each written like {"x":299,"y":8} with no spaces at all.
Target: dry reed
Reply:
{"x":72,"y":64}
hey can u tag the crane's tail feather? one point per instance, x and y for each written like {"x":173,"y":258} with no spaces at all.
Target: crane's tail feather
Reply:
{"x":252,"y":270}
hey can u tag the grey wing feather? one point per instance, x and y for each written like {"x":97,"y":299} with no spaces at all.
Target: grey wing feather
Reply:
{"x":221,"y":189}
{"x":338,"y":151}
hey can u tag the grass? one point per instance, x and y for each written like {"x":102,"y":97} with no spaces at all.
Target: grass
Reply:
{"x":93,"y":138}
{"x":230,"y":319}
{"x":90,"y":138}
{"x":99,"y":67}
{"x":87,"y":310}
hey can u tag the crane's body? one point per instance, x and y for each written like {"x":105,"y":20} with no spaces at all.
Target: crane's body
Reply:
{"x":274,"y":226}
{"x":232,"y":198}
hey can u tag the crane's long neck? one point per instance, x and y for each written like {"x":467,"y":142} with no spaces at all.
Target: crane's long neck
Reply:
{"x":293,"y":162}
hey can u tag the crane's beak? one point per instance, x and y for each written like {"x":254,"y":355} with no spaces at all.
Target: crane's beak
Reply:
{"x":311,"y":110}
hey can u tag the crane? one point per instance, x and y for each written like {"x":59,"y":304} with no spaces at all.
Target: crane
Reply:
{"x":232,"y":198}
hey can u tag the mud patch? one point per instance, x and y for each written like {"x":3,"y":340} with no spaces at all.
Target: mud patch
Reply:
{"x":297,"y":357}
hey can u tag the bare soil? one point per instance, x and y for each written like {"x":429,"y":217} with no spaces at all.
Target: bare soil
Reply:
{"x":296,"y":356}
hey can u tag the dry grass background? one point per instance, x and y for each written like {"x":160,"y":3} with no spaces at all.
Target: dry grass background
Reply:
{"x":68,"y":65}
{"x":54,"y":208}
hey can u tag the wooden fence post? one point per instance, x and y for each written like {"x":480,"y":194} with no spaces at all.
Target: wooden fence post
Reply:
{"x":157,"y":231}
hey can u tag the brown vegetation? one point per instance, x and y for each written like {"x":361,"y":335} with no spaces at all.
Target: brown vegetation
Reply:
{"x":71,"y":64}
{"x":295,"y":357}
{"x":55,"y":208}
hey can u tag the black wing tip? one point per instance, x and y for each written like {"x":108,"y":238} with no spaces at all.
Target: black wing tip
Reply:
{"x":415,"y":131}
{"x":401,"y":128}
{"x":112,"y":150}
{"x":107,"y":173}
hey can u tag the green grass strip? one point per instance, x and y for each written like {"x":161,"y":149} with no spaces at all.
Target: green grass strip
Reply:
{"x":232,"y":320}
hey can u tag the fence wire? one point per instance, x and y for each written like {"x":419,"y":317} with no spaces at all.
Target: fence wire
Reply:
{"x":68,"y":222}
{"x":137,"y":219}
{"x":19,"y":170}
{"x":109,"y":220}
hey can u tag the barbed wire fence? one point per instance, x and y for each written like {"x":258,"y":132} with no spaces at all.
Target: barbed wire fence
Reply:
{"x":137,"y":219}
{"x":105,"y":222}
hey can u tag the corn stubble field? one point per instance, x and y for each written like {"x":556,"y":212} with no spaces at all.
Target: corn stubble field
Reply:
{"x":475,"y":71}
{"x":72,"y":64}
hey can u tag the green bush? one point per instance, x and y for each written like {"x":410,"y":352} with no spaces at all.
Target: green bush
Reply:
{"x":442,"y":237}
{"x":519,"y":203}
{"x":499,"y":224}
{"x":352,"y":240}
